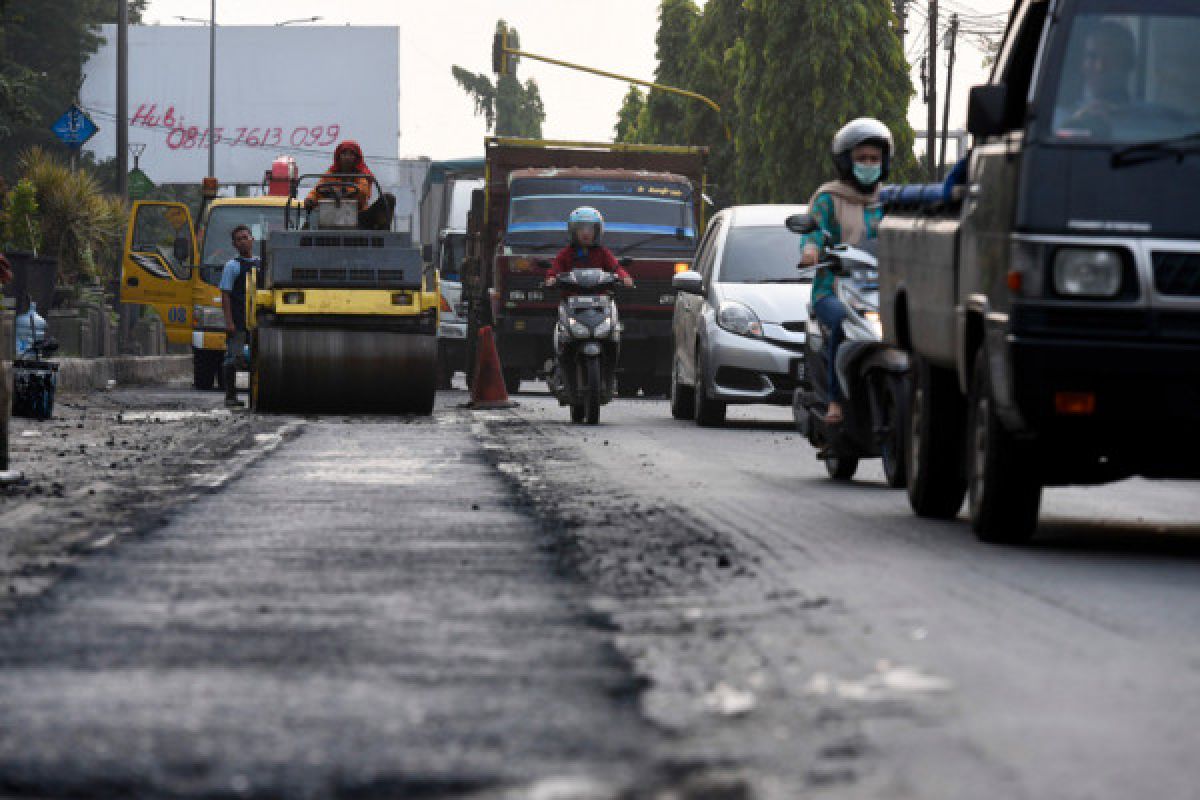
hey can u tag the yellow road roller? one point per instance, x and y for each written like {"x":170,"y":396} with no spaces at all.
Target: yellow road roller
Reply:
{"x":342,"y":318}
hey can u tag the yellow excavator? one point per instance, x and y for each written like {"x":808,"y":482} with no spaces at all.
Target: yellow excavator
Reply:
{"x":342,"y":319}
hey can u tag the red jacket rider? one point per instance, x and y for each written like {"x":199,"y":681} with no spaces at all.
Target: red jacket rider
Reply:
{"x":585,"y":226}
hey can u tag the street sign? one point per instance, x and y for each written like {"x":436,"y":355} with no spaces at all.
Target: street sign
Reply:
{"x":74,"y":127}
{"x":140,"y":184}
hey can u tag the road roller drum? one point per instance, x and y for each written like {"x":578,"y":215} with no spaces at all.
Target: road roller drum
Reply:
{"x":325,"y":370}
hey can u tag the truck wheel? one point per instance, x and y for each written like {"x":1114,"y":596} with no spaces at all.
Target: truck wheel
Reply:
{"x":206,"y":368}
{"x":578,"y":413}
{"x":628,"y":384}
{"x":894,"y":405}
{"x":1003,"y":487}
{"x":935,"y":443}
{"x":683,"y":399}
{"x":709,"y":413}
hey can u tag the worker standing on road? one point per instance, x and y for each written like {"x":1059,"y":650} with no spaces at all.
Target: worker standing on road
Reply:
{"x":233,"y":300}
{"x":847,"y":211}
{"x":586,"y":227}
{"x":348,"y":160}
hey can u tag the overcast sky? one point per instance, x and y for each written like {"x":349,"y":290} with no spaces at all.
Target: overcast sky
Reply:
{"x":436,"y":117}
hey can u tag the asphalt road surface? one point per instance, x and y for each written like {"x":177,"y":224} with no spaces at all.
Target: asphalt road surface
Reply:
{"x":502,"y":604}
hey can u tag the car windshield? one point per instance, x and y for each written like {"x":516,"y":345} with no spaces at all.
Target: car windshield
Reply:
{"x":1131,"y":73}
{"x":218,"y":230}
{"x":655,"y":218}
{"x":760,"y":254}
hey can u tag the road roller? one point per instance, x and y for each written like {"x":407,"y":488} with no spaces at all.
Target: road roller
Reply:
{"x":342,"y":319}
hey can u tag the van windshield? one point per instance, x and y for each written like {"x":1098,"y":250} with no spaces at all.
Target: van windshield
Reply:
{"x":1131,"y":73}
{"x":218,"y":234}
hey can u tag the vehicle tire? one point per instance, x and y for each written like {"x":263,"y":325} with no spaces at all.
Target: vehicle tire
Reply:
{"x":512,"y":381}
{"x":934,"y":446}
{"x":206,"y":369}
{"x":591,"y":395}
{"x":841,"y":468}
{"x":1004,"y":491}
{"x":578,"y":413}
{"x":683,"y":398}
{"x":894,"y":405}
{"x":710,"y":413}
{"x":445,"y":379}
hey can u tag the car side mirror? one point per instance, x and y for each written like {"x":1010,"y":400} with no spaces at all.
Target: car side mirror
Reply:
{"x":986,"y":110}
{"x":626,"y":262}
{"x":802,"y":223}
{"x":691,"y":282}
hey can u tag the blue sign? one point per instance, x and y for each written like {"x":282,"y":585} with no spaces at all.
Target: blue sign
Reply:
{"x":74,"y":127}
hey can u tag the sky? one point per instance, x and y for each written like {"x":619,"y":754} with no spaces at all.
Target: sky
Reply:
{"x":437,"y":118}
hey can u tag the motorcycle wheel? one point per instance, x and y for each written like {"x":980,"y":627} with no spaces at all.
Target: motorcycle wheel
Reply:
{"x":841,"y":468}
{"x":893,"y":402}
{"x":591,"y":394}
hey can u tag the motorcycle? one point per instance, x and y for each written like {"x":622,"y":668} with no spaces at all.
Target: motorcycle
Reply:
{"x":873,"y":376}
{"x":587,"y":343}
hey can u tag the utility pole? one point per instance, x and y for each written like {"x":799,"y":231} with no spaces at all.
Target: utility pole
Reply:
{"x":122,"y":120}
{"x":213,"y":71}
{"x":902,"y":15}
{"x":931,"y":130}
{"x":951,"y":40}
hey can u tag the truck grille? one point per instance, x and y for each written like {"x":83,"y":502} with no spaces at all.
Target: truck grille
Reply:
{"x":313,"y":276}
{"x":1177,"y":274}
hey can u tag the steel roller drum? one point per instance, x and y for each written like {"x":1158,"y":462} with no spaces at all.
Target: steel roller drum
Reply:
{"x":341,"y":372}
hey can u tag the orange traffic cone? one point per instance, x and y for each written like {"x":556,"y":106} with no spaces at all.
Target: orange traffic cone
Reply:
{"x":487,"y":390}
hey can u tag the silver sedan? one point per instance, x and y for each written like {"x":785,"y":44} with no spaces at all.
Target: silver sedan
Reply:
{"x":738,"y":327}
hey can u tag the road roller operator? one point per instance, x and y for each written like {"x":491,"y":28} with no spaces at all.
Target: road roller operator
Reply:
{"x":348,"y":159}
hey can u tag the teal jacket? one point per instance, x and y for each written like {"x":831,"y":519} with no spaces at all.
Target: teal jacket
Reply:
{"x":824,"y":210}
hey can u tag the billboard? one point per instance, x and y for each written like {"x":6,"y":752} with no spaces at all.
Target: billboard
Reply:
{"x":279,"y":90}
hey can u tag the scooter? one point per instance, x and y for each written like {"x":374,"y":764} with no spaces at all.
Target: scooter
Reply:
{"x":874,"y":377}
{"x":587,"y":343}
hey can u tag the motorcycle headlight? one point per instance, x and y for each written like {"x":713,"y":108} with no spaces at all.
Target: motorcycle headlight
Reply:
{"x":872,"y":318}
{"x":579,"y":330}
{"x":604,"y":328}
{"x":1083,"y":272}
{"x":739,"y":318}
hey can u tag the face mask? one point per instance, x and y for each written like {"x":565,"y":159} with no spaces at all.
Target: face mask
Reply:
{"x":868,"y":174}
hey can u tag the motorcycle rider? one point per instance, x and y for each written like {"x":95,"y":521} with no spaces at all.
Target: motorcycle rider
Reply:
{"x":586,"y":228}
{"x":847,"y":211}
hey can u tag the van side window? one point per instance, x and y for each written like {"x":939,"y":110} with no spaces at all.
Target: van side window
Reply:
{"x":708,"y":250}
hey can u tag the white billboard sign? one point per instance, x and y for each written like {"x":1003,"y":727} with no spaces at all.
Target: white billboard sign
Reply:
{"x":279,"y":90}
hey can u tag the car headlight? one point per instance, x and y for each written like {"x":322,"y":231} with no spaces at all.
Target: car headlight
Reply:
{"x":1082,"y":272}
{"x":579,"y":330}
{"x":604,"y":328}
{"x":208,"y":317}
{"x":738,"y":318}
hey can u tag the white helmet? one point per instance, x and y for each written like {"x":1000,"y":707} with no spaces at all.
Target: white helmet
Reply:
{"x":583,"y":217}
{"x":864,"y":130}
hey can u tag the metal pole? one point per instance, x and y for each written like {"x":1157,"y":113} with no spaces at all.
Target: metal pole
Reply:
{"x":212,"y":90}
{"x":953,"y":34}
{"x":122,"y":120}
{"x":931,"y":130}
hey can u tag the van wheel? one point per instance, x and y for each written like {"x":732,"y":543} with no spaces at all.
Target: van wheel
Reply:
{"x":709,"y":413}
{"x":936,"y":484}
{"x":683,"y":398}
{"x":1003,"y":485}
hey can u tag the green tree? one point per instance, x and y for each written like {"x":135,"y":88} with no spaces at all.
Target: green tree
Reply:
{"x":511,"y":108}
{"x":665,"y":112}
{"x":43,"y":48}
{"x":626,"y":129}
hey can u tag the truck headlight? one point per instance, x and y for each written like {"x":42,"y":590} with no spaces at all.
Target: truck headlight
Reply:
{"x":208,"y":317}
{"x":579,"y":330}
{"x":740,"y":319}
{"x":1084,"y":272}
